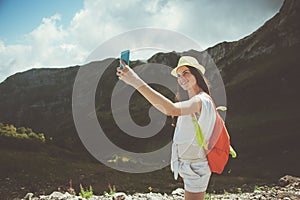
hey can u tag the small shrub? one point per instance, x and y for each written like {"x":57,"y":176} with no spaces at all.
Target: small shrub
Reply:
{"x":42,"y":137}
{"x":239,"y":190}
{"x":112,"y":190}
{"x":22,"y":136}
{"x":257,"y":188}
{"x":207,"y":196}
{"x":71,"y":190}
{"x":86,"y":193}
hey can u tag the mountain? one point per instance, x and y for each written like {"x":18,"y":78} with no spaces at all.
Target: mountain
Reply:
{"x":260,"y":74}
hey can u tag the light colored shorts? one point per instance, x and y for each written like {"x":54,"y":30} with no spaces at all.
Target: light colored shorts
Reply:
{"x":195,"y":175}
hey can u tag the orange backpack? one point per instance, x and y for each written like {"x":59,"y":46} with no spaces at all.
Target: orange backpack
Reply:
{"x":218,"y":147}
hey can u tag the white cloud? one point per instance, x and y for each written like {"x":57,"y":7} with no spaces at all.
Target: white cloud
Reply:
{"x":12,"y":58}
{"x":48,"y":46}
{"x":207,"y":22}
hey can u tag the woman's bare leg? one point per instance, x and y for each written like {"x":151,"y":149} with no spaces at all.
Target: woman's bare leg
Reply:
{"x":194,"y":196}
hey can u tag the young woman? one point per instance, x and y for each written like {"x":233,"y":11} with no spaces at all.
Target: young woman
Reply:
{"x":188,"y":158}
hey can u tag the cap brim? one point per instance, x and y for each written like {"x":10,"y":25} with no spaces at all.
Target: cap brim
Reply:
{"x":199,"y":67}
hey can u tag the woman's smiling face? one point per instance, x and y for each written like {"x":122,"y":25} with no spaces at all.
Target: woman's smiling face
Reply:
{"x":185,"y":78}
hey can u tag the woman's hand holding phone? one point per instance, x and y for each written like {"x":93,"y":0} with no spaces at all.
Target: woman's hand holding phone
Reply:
{"x":129,"y":76}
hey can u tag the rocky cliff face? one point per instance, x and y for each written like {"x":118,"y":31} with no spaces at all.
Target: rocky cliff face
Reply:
{"x":260,"y":73}
{"x":276,"y":35}
{"x":280,"y":32}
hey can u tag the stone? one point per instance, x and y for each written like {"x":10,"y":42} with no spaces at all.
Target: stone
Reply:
{"x":28,"y":196}
{"x":178,"y":191}
{"x":119,"y":196}
{"x":286,"y":180}
{"x":154,"y":196}
{"x":56,"y":195}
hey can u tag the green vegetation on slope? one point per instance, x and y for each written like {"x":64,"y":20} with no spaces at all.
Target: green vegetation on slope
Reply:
{"x":12,"y":137}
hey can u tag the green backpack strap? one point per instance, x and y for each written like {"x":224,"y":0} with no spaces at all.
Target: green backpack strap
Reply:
{"x":232,"y":152}
{"x":199,"y":135}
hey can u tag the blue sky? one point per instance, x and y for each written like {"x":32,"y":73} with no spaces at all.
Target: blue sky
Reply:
{"x":18,"y":17}
{"x":61,"y":33}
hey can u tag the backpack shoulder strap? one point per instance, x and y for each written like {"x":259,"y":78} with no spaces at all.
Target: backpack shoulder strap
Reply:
{"x":199,"y":135}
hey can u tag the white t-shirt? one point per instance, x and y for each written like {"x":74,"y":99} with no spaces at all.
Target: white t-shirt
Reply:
{"x":185,"y":134}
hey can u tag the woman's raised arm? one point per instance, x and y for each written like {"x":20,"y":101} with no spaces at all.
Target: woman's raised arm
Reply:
{"x":159,"y":101}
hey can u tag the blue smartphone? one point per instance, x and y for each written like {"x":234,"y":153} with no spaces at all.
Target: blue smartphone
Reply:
{"x":125,"y":57}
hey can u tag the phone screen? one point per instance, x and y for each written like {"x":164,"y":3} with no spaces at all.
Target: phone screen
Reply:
{"x":125,"y":57}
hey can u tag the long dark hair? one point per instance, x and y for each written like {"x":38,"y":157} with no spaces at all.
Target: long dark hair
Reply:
{"x":202,"y":82}
{"x":182,"y":95}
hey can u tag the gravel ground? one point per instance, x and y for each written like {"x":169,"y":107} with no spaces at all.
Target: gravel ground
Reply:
{"x":288,"y":188}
